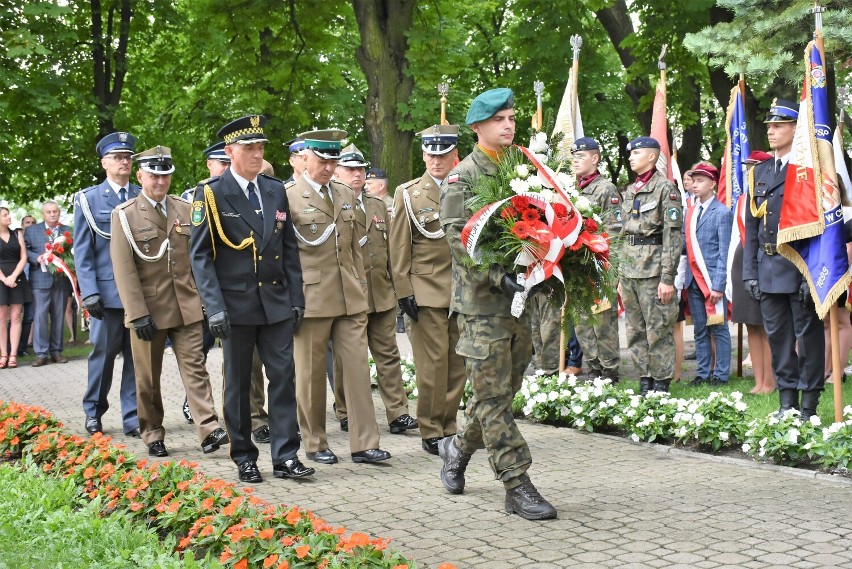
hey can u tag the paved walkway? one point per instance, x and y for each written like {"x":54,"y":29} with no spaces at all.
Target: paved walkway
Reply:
{"x":620,"y":504}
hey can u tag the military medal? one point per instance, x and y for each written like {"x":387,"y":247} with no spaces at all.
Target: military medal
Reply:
{"x":313,"y":228}
{"x":279,"y":226}
{"x":146,"y":247}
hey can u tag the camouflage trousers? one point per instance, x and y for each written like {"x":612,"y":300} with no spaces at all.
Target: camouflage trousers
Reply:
{"x":496,"y":351}
{"x":600,"y":341}
{"x":650,"y":328}
{"x":545,"y":322}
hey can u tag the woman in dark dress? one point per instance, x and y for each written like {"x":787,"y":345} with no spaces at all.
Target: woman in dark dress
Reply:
{"x":14,"y":289}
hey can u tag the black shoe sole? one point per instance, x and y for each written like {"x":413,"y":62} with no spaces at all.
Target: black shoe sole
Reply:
{"x":278,"y":474}
{"x":401,"y":430}
{"x":251,"y":481}
{"x":535,"y":517}
{"x":368,"y":460}
{"x":210,"y":448}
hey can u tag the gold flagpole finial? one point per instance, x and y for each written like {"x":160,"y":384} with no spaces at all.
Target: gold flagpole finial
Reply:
{"x":443,"y":89}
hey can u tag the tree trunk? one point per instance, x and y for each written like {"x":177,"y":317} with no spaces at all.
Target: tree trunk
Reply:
{"x":383,"y":25}
{"x":110,"y":66}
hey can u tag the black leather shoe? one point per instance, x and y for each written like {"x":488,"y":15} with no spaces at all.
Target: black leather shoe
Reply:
{"x":157,"y":448}
{"x":455,"y":464}
{"x":403,"y":423}
{"x":187,"y":414}
{"x":323,"y":456}
{"x":431,"y":445}
{"x":344,"y":425}
{"x":41,"y":361}
{"x":249,"y":472}
{"x":135,"y":433}
{"x":717,"y":381}
{"x":214,"y":440}
{"x":528,"y":503}
{"x":370,"y":456}
{"x":93,"y":425}
{"x":261,"y":434}
{"x":292,"y":468}
{"x":698,"y":381}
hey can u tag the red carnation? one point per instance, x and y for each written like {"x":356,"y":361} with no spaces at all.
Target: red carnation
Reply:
{"x":591,"y":225}
{"x":560,"y":210}
{"x":520,"y":202}
{"x":48,"y":246}
{"x":522,"y":230}
{"x":530,"y":215}
{"x":48,"y":232}
{"x":67,"y":235}
{"x":509,"y":213}
{"x":59,"y":249}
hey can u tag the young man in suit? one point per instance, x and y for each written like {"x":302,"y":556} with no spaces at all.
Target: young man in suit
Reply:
{"x":150,"y":254}
{"x":92,"y":210}
{"x":707,"y":234}
{"x":50,"y":290}
{"x":245,"y":260}
{"x":789,"y":316}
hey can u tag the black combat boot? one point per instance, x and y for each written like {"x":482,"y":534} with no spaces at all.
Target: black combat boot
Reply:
{"x":662,"y":385}
{"x":645,"y":385}
{"x":810,"y":400}
{"x":525,"y":501}
{"x":612,"y":375}
{"x":455,"y":463}
{"x":789,"y":399}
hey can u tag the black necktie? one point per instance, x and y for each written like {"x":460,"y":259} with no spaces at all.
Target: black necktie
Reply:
{"x":253,"y":200}
{"x":122,"y":195}
{"x":778,"y":166}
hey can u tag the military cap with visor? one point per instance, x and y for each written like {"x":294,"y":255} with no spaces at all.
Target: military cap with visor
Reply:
{"x":157,"y":160}
{"x":295,"y":146}
{"x":244,"y":130}
{"x":217,"y":152}
{"x":439,"y":139}
{"x":115,"y":143}
{"x":324,"y":143}
{"x":489,"y":104}
{"x":351,"y":157}
{"x":705,"y":169}
{"x":782,"y":111}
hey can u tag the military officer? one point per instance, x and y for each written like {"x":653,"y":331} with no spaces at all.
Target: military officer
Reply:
{"x":150,"y":255}
{"x":496,"y":347}
{"x":336,"y":303}
{"x":599,"y":340}
{"x":372,"y":224}
{"x":297,"y":158}
{"x":652,"y":218}
{"x":421,"y":265}
{"x":92,"y":209}
{"x":246,"y":263}
{"x":377,"y":187}
{"x":789,"y":315}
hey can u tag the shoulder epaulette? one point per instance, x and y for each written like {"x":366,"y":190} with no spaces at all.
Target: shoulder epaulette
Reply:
{"x":125,"y":204}
{"x":368,"y":196}
{"x":408,"y":183}
{"x":289,"y":184}
{"x":209,"y":180}
{"x":181,"y":198}
{"x":342,"y":184}
{"x":273,"y":178}
{"x":87,"y":190}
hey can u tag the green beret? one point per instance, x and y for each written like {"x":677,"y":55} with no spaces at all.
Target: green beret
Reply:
{"x":489,"y":104}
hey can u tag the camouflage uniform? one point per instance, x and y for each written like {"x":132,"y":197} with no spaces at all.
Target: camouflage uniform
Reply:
{"x":545,"y":321}
{"x":652,"y":215}
{"x":600,"y":340}
{"x":496,"y":347}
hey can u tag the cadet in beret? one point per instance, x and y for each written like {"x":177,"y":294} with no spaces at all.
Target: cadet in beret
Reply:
{"x":336,"y":295}
{"x":496,"y":346}
{"x":150,"y":251}
{"x":599,"y":341}
{"x":92,"y":209}
{"x":297,"y":158}
{"x":246,"y":263}
{"x":372,"y":224}
{"x":421,"y":265}
{"x":652,"y":217}
{"x":789,"y":315}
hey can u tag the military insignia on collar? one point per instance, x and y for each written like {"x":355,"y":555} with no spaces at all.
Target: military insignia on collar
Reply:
{"x":346,"y":206}
{"x":197,"y":212}
{"x":673,"y":214}
{"x":415,"y":194}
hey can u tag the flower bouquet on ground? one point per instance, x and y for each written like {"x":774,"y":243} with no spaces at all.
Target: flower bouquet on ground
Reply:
{"x":530,"y":221}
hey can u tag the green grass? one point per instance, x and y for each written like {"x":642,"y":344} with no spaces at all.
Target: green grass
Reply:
{"x":45,"y":523}
{"x":79,"y":349}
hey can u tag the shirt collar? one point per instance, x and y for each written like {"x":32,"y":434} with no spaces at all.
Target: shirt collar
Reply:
{"x":316,"y":186}
{"x":707,"y":203}
{"x":154,"y":203}
{"x":584,"y":181}
{"x":436,"y":180}
{"x":116,"y":187}
{"x":243,"y":182}
{"x":784,"y":159}
{"x":645,"y":177}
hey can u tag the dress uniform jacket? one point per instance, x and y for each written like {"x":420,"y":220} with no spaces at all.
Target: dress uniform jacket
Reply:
{"x":95,"y":275}
{"x":421,"y":266}
{"x":373,"y":228}
{"x":165,"y":290}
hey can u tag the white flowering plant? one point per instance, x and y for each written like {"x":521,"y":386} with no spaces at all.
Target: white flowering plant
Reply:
{"x":546,"y":398}
{"x":598,"y":405}
{"x":784,"y":440}
{"x":651,"y":418}
{"x":715,"y":422}
{"x":833,"y":450}
{"x":409,"y":382}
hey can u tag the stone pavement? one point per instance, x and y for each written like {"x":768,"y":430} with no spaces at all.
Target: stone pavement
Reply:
{"x":620,"y":504}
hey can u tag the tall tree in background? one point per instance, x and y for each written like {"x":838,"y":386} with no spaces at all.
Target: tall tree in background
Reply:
{"x":382,"y":56}
{"x":110,"y":27}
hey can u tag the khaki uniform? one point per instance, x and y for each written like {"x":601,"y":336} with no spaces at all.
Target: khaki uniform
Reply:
{"x":165,"y":290}
{"x":496,"y":347}
{"x":652,"y":242}
{"x":599,"y":341}
{"x":336,"y":307}
{"x":421,"y":264}
{"x":372,"y":227}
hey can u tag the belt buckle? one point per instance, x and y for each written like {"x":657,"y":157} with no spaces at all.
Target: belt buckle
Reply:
{"x":769,"y":248}
{"x":632,"y":239}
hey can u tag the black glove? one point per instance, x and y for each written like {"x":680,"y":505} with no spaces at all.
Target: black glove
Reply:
{"x":752,"y":289}
{"x":510,"y":285}
{"x":805,"y":293}
{"x":220,"y":325}
{"x":298,"y":316}
{"x":94,"y":305}
{"x":409,"y":306}
{"x":145,"y":328}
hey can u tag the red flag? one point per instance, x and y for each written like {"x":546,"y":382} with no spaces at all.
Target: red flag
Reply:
{"x":659,"y":128}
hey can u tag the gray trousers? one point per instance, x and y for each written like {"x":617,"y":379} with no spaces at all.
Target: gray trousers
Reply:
{"x":49,"y":321}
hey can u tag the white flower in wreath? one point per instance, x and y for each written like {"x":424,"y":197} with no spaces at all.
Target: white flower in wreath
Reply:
{"x":535,"y":182}
{"x":763,"y":442}
{"x":563,"y":411}
{"x":617,"y":420}
{"x":519,"y":186}
{"x":523,"y":170}
{"x":583,"y":204}
{"x":538,"y":143}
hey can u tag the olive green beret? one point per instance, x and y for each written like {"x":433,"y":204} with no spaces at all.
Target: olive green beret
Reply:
{"x":488,"y":104}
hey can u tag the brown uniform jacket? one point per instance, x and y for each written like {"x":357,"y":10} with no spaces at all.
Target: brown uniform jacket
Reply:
{"x":332,"y":272}
{"x":373,"y":231}
{"x":163,"y":289}
{"x":421,"y":266}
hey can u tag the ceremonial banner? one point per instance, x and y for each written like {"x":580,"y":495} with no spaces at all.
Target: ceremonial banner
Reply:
{"x":810,"y":229}
{"x":659,"y":128}
{"x":568,"y":119}
{"x":839,"y":162}
{"x":737,"y":149}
